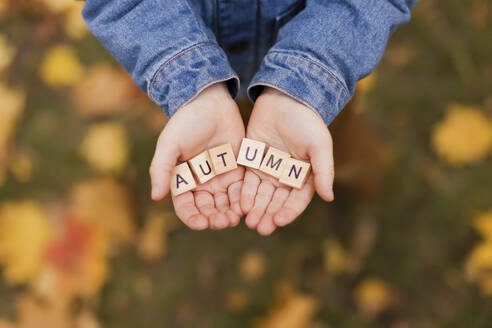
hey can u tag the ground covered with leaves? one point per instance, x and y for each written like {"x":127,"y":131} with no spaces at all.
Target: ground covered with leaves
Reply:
{"x":407,"y":242}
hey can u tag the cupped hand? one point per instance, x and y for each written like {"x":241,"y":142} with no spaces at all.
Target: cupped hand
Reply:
{"x":210,"y":120}
{"x":288,"y":125}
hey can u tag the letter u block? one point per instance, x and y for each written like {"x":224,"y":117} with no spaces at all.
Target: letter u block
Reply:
{"x":223,"y":159}
{"x":182,"y":179}
{"x":251,"y":153}
{"x":274,"y":162}
{"x":201,"y":165}
{"x":295,"y":173}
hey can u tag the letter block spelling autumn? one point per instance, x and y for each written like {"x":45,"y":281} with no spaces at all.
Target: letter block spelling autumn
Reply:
{"x":295,"y":173}
{"x":274,"y":162}
{"x":182,"y":179}
{"x":251,"y":153}
{"x":201,"y":165}
{"x":223,"y":159}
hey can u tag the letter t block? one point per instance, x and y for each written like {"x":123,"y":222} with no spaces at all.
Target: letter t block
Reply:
{"x":181,"y":179}
{"x":223,"y":159}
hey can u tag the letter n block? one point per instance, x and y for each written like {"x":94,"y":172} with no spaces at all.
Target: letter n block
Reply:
{"x":295,"y":173}
{"x":274,"y":162}
{"x":201,"y":165}
{"x":223,"y":159}
{"x":251,"y":153}
{"x":182,"y":179}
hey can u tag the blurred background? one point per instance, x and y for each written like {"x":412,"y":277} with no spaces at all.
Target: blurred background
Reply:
{"x":407,"y":242}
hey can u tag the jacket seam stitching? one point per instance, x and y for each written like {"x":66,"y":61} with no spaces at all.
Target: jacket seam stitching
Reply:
{"x":333,"y":76}
{"x":172,"y":59}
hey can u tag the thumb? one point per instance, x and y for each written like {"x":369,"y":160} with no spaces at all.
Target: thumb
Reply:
{"x":165,"y":158}
{"x":323,"y":169}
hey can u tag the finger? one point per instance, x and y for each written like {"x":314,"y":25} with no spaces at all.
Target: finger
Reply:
{"x":323,"y":169}
{"x":206,"y":205}
{"x":266,"y":225}
{"x":248,"y":190}
{"x":234,"y":213}
{"x":165,"y":158}
{"x":262,"y":199}
{"x":295,"y":204}
{"x":186,"y":210}
{"x":221,"y":201}
{"x":234,"y":192}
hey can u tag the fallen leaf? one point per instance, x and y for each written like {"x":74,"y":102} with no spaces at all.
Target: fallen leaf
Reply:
{"x":252,"y":265}
{"x":373,"y":296}
{"x":153,"y":239}
{"x":463,"y":136}
{"x":21,"y":166}
{"x":236,"y":300}
{"x":105,"y":147}
{"x":335,"y":257}
{"x":104,"y":90}
{"x":11,"y":107}
{"x":104,"y":202}
{"x":483,"y":225}
{"x":7,"y":52}
{"x":75,"y":26}
{"x":292,"y":310}
{"x":24,"y":235}
{"x":61,"y":67}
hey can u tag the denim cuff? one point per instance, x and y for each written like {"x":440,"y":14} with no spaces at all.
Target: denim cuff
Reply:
{"x":180,"y":79}
{"x":303,"y":79}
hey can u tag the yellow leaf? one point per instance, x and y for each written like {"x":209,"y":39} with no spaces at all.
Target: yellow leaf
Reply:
{"x":86,"y":319}
{"x":74,"y":22}
{"x":464,"y":136}
{"x":11,"y":106}
{"x":24,"y":235}
{"x":21,"y":166}
{"x":373,"y":296}
{"x":104,"y":90}
{"x":479,"y":261}
{"x":57,"y":6}
{"x":7,"y":53}
{"x":294,"y":310}
{"x":483,"y":224}
{"x":61,"y":67}
{"x":367,"y":84}
{"x":153,"y":239}
{"x":106,"y":203}
{"x":335,"y":257}
{"x":105,"y":147}
{"x":252,"y":265}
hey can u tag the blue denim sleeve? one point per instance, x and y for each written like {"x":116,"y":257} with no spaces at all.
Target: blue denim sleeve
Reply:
{"x":165,"y":45}
{"x":324,"y":50}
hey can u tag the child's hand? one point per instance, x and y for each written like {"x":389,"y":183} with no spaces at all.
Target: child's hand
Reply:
{"x":288,"y":125}
{"x":211,"y":119}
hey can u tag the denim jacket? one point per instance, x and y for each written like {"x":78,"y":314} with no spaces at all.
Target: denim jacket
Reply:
{"x":312,"y":50}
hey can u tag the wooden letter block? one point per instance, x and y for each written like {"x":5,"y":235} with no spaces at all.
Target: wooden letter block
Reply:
{"x":274,"y":162}
{"x":222,"y":158}
{"x":295,"y":173}
{"x":201,"y":165}
{"x":251,"y":153}
{"x":182,"y":179}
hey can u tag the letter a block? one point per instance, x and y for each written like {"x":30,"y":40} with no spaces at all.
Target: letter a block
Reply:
{"x":182,"y":179}
{"x":251,"y":153}
{"x":222,"y":158}
{"x":274,"y":162}
{"x":295,"y":173}
{"x":201,"y":165}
